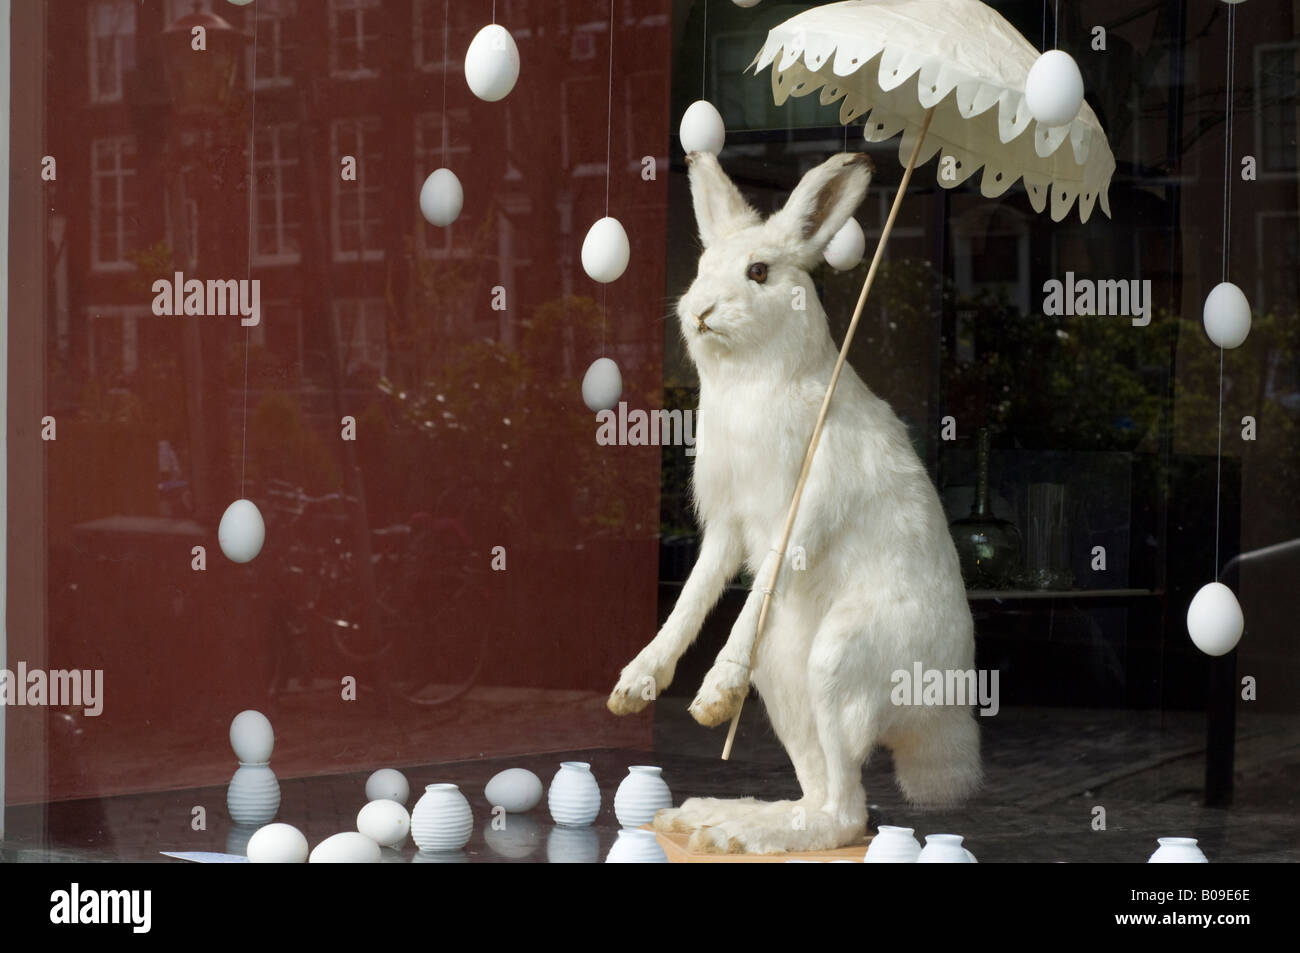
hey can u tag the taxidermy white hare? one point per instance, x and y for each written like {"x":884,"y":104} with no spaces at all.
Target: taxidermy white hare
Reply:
{"x":881,"y":589}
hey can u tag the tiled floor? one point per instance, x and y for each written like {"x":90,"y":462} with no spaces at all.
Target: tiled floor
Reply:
{"x":1048,"y":771}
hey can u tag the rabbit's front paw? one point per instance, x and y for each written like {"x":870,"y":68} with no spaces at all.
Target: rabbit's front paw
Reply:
{"x":639,"y":684}
{"x":721,"y":693}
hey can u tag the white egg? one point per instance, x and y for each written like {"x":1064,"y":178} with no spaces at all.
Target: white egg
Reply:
{"x":241,"y":531}
{"x":605,"y":251}
{"x":388,"y":784}
{"x":252,"y":737}
{"x":349,"y":847}
{"x":277,"y":844}
{"x":241,"y":3}
{"x":746,"y":3}
{"x":1227,"y":315}
{"x":515,"y":789}
{"x":848,"y":246}
{"x":1214,"y":619}
{"x":602,"y":385}
{"x":492,"y":63}
{"x":385,"y":822}
{"x":702,"y":128}
{"x":441,"y":197}
{"x":1054,"y":89}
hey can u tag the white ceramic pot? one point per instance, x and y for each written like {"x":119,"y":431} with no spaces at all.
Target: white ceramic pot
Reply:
{"x":442,"y":819}
{"x":254,"y":794}
{"x":944,"y":849}
{"x":636,"y":847}
{"x":574,"y":796}
{"x":1177,"y":850}
{"x":893,"y":845}
{"x":641,"y":795}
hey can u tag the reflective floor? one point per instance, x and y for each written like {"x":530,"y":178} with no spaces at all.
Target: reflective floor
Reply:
{"x":1048,"y":771}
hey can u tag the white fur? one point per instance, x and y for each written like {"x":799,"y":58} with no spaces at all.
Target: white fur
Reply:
{"x":882,"y":588}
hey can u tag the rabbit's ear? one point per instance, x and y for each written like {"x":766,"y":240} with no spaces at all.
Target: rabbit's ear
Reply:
{"x":720,"y":209}
{"x":822,"y":202}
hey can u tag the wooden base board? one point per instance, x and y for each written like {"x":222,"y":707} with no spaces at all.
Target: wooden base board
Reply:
{"x":674,"y":846}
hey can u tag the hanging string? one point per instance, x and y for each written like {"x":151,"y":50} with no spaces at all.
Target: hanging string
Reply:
{"x":609,"y":154}
{"x":446,"y":7}
{"x":704,"y":55}
{"x":1056,"y":25}
{"x":252,"y":237}
{"x":1044,"y":24}
{"x":494,"y":12}
{"x":1227,"y":215}
{"x":609,"y":112}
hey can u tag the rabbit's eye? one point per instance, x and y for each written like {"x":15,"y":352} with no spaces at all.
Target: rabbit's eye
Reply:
{"x":757,"y":272}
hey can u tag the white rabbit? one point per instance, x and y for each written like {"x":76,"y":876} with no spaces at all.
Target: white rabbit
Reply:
{"x":882,"y":588}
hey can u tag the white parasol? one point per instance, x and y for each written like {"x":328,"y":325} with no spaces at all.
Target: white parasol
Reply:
{"x":951,"y":76}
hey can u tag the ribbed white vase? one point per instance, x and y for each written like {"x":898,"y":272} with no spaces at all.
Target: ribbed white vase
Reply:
{"x":442,"y":819}
{"x":254,"y":794}
{"x":1178,"y":850}
{"x":574,"y":795}
{"x":893,"y":845}
{"x":944,"y":849}
{"x":636,"y":847}
{"x":641,"y":795}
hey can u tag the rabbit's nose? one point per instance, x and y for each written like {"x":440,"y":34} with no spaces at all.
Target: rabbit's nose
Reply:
{"x":699,"y":318}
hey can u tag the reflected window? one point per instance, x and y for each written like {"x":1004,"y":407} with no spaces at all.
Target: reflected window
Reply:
{"x":277,"y":198}
{"x":112,"y":48}
{"x":112,"y":349}
{"x":275,"y":33}
{"x":114,"y":224}
{"x":357,"y":205}
{"x":360,"y":326}
{"x":1276,"y":85}
{"x":354,"y":38}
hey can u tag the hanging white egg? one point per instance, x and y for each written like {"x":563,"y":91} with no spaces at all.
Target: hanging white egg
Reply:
{"x":1054,"y":89}
{"x":349,"y":847}
{"x":252,"y":737}
{"x":241,"y":531}
{"x":492,"y":63}
{"x":846,"y":249}
{"x":385,"y":822}
{"x":241,"y":3}
{"x":1227,"y":315}
{"x":441,"y":198}
{"x":605,"y":251}
{"x":277,"y":844}
{"x":515,"y":789}
{"x":702,"y":128}
{"x":746,"y":3}
{"x":388,"y":784}
{"x":1214,"y":619}
{"x":602,"y":385}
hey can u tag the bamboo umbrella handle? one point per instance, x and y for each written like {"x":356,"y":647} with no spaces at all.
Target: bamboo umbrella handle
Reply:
{"x":821,"y":416}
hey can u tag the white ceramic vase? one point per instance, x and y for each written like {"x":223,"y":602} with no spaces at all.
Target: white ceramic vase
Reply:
{"x":893,"y":845}
{"x":574,"y":796}
{"x":636,"y":847}
{"x":1177,"y":850}
{"x":254,"y":794}
{"x":442,"y":819}
{"x":944,"y":849}
{"x":641,"y":795}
